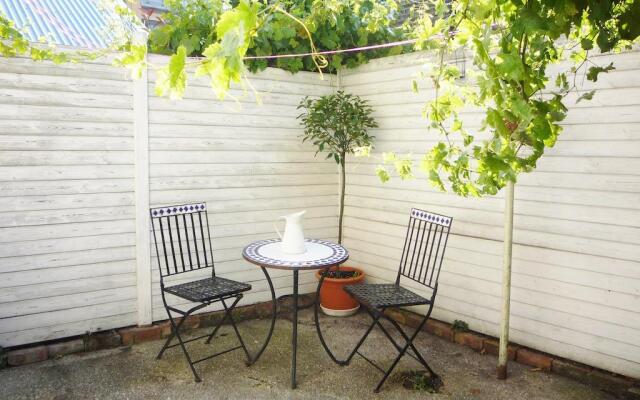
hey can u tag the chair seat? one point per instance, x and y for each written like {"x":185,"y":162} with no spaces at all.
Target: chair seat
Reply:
{"x":384,"y":295}
{"x":207,"y":289}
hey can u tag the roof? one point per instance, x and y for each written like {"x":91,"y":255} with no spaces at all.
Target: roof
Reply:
{"x":74,"y":23}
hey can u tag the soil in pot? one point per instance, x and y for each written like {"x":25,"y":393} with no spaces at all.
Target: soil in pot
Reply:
{"x":340,"y":274}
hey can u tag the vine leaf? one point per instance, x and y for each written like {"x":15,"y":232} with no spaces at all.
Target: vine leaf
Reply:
{"x":593,"y":72}
{"x":172,"y":78}
{"x":586,"y":96}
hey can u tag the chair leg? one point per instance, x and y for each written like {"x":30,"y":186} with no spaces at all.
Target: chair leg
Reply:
{"x":176,"y":333}
{"x":226,"y":315}
{"x":403,"y":350}
{"x":418,"y":355}
{"x":363,"y":338}
{"x":170,"y":338}
{"x":235,"y":328}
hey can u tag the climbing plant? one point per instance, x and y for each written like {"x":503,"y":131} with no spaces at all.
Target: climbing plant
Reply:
{"x":512,"y":43}
{"x":226,"y":37}
{"x":222,"y":50}
{"x":190,"y":24}
{"x":330,"y":24}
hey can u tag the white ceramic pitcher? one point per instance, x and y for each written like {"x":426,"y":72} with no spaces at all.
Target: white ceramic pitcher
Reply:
{"x":293,"y":238}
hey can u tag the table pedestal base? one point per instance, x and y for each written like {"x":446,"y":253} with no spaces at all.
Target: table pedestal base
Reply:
{"x":294,"y":335}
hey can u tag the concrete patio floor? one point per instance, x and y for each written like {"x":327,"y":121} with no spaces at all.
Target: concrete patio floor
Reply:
{"x":134,"y":373}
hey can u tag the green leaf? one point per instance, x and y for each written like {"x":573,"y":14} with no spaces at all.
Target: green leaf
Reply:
{"x":172,"y":78}
{"x":404,"y":168}
{"x":414,"y":86}
{"x":389,"y":158}
{"x":510,"y":65}
{"x":434,"y":179}
{"x":134,"y":59}
{"x":586,"y":96}
{"x":494,"y":163}
{"x":561,"y":81}
{"x":522,"y":109}
{"x":586,"y":44}
{"x":593,"y":72}
{"x":382,"y":173}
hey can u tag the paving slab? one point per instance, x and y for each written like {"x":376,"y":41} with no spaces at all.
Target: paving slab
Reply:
{"x":134,"y":373}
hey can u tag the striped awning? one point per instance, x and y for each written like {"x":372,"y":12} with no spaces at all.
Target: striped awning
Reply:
{"x":74,"y":23}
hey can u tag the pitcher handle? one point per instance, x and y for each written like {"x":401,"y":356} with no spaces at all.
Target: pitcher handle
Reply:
{"x":277,"y":230}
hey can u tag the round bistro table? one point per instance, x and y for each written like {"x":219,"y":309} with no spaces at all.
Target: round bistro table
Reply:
{"x":320,"y":254}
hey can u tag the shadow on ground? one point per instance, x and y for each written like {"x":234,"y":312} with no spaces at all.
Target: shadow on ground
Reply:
{"x":134,"y":373}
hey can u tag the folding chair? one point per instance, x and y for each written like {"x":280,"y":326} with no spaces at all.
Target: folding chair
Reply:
{"x":421,"y":260}
{"x":183,"y":242}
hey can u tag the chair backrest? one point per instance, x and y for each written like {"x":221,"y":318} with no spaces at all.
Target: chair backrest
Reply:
{"x":182,"y":238}
{"x":424,"y":245}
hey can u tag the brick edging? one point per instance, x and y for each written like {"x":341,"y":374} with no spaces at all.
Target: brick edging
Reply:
{"x":619,"y":385}
{"x":127,"y":336}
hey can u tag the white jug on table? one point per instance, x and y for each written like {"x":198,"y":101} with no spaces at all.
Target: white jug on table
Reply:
{"x":293,"y":238}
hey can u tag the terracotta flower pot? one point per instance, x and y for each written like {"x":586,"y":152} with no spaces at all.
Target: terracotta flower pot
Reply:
{"x":334,"y":300}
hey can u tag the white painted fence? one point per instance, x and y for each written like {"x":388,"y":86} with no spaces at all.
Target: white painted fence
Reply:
{"x":82,"y":148}
{"x":67,"y":242}
{"x":69,"y":188}
{"x":577,"y":238}
{"x":246,"y":160}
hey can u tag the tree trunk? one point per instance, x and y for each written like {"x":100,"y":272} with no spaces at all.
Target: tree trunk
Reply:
{"x":342,"y":188}
{"x":506,"y":280}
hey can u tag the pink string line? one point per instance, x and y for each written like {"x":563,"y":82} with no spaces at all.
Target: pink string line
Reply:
{"x":329,"y":52}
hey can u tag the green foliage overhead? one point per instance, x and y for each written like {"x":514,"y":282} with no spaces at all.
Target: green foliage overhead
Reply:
{"x":332,"y":24}
{"x":337,"y":124}
{"x":222,"y":33}
{"x":512,"y":43}
{"x":190,"y":24}
{"x":222,"y":50}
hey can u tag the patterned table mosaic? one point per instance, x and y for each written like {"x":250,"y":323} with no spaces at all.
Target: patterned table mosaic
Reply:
{"x":319,"y":254}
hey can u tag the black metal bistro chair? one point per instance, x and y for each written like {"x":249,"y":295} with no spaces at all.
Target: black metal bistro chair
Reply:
{"x":183,"y":245}
{"x":421,"y":260}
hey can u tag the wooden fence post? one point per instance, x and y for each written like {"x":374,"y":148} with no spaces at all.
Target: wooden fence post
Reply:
{"x":143,"y":237}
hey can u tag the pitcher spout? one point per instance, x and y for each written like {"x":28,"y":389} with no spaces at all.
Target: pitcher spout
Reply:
{"x":294,"y":216}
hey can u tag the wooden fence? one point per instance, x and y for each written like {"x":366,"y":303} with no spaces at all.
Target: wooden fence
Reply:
{"x":577,"y":238}
{"x":85,"y":151}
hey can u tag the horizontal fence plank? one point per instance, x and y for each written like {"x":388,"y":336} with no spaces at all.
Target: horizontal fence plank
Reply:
{"x":64,"y":99}
{"x":67,"y":258}
{"x":59,"y":187}
{"x":45,"y":333}
{"x":101,"y":68}
{"x":56,"y":113}
{"x":64,"y":84}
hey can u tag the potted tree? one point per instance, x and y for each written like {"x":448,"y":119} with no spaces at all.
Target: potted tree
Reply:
{"x":338,"y":125}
